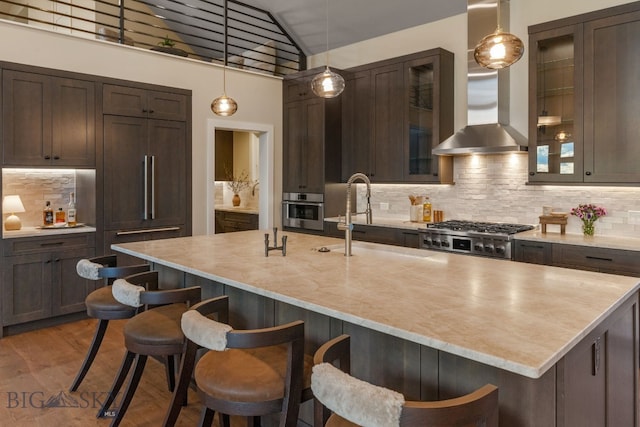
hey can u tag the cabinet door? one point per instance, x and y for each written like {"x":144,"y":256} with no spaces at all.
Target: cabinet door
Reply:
{"x":533,"y":252}
{"x":26,"y":119}
{"x":124,"y":101}
{"x":26,"y":288}
{"x":69,"y":290}
{"x":612,"y":48}
{"x":125,"y":142}
{"x":556,"y":143}
{"x":294,"y":139}
{"x":167,"y":188}
{"x":387,"y":126}
{"x":166,"y":105}
{"x":313,"y":152}
{"x":73,"y":132}
{"x":356,"y":125}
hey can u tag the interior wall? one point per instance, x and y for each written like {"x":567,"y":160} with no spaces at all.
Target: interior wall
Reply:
{"x":259,"y":96}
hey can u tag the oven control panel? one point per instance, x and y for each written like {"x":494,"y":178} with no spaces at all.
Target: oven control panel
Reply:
{"x":485,"y":245}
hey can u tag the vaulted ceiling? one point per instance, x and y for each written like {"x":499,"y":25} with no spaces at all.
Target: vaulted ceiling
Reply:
{"x":351,"y":21}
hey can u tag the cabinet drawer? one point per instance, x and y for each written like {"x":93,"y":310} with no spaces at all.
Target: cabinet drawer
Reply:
{"x":367,"y":233}
{"x":33,"y":245}
{"x":605,"y":260}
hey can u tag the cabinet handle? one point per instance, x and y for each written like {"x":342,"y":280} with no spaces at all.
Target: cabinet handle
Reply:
{"x":587,"y":173}
{"x":52,"y":244}
{"x":56,"y":157}
{"x":56,"y":260}
{"x":146,"y":230}
{"x":152,"y":214}
{"x":151,"y":111}
{"x":595,"y":357}
{"x":47,"y":157}
{"x":532,"y":173}
{"x":599,"y":258}
{"x":146,"y":187}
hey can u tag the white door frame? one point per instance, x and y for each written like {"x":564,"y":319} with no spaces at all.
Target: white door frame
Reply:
{"x":266,"y":150}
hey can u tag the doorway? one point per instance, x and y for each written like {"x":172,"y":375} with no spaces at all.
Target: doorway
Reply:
{"x":262,"y":169}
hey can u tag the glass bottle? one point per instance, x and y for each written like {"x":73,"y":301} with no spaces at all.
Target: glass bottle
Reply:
{"x":71,"y":211}
{"x":426,"y":210}
{"x":60,"y":216}
{"x":47,"y":215}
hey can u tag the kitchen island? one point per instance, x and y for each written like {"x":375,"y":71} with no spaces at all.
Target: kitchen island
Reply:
{"x":562,"y":345}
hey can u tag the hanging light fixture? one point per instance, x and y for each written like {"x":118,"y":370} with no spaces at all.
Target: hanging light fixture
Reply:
{"x":499,"y":49}
{"x":327,"y":84}
{"x":224,"y":105}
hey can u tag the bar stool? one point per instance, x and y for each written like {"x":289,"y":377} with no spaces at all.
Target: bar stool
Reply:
{"x":248,"y":373}
{"x":101,"y":304}
{"x":355,"y":402}
{"x":153,"y":332}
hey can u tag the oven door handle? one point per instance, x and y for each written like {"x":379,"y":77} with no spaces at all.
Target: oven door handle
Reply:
{"x":302,"y":203}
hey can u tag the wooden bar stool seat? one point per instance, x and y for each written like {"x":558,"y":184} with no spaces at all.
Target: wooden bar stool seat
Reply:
{"x":353,"y":402}
{"x":247,"y":373}
{"x":101,"y":304}
{"x":153,"y":332}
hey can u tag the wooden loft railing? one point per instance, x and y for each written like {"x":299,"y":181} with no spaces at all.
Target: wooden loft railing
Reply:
{"x":195,"y":29}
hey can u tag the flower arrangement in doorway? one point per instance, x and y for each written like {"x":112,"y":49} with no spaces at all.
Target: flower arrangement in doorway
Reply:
{"x":589,"y":214}
{"x":237,"y":183}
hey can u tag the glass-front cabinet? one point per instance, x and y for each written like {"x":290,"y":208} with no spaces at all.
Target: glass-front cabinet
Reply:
{"x":427,"y":122}
{"x":556,"y":146}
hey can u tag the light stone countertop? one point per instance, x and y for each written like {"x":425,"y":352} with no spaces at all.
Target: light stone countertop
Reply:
{"x":383,"y":222}
{"x":239,"y":209}
{"x":514,"y":316}
{"x":39,"y":231}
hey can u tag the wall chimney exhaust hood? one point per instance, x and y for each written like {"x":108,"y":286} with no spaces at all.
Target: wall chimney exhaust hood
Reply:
{"x":488,"y":129}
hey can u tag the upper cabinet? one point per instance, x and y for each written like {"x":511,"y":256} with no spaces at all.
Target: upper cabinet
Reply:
{"x":583,"y":95}
{"x":394,"y":113}
{"x":311,"y":138}
{"x":47,"y":120}
{"x":136,"y":102}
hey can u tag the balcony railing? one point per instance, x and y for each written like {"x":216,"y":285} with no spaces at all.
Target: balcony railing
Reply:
{"x":197,"y":29}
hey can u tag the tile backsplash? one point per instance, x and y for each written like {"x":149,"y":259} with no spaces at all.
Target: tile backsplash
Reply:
{"x":35,"y":187}
{"x":494,"y":188}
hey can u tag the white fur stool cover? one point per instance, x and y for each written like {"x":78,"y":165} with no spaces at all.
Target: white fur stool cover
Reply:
{"x":127,"y":293}
{"x":88,"y":269}
{"x":358,"y":401}
{"x":204,"y":331}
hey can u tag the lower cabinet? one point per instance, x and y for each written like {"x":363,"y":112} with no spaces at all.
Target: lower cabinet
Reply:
{"x":603,"y":260}
{"x":377,"y":234}
{"x":39,"y":278}
{"x":227,"y":222}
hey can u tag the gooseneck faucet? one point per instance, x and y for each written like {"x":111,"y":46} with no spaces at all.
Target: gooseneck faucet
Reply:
{"x":347,"y":226}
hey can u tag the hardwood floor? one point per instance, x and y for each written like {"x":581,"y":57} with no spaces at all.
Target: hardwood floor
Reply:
{"x":41,"y":365}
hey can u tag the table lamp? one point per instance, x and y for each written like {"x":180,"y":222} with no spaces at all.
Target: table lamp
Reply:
{"x":11,"y":205}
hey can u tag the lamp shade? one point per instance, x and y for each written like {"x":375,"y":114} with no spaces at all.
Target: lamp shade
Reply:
{"x":224,"y":106}
{"x":498,"y":50}
{"x":327,"y":84}
{"x":12,"y":204}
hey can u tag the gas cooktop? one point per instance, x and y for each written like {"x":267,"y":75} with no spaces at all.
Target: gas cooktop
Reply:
{"x":480,"y":227}
{"x":489,"y":239}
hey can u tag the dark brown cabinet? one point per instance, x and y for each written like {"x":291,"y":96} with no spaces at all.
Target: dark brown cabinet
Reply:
{"x":311,"y":139}
{"x":228,"y":222}
{"x":146,"y":163}
{"x":47,"y":120}
{"x":394,"y":113}
{"x":39,"y":277}
{"x":604,"y":260}
{"x":583,"y":80}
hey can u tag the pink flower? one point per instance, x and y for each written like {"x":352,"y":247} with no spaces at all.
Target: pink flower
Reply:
{"x":588,"y":213}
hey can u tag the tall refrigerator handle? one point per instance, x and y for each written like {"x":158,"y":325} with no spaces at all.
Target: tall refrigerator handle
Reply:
{"x":153,"y":187}
{"x":146,"y":187}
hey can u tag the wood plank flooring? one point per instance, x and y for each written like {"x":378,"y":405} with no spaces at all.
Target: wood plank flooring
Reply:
{"x":40,"y":365}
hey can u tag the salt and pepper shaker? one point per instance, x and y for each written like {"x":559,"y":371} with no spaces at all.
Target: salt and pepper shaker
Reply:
{"x":283,"y":247}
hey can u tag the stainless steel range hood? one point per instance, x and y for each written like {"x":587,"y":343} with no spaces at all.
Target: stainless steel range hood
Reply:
{"x":488,"y":129}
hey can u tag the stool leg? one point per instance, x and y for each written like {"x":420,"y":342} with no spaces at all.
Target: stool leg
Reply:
{"x":179,"y":397}
{"x":117,"y":383}
{"x":207,"y":417}
{"x":171,"y":372}
{"x":98,"y":335}
{"x":141,"y":360}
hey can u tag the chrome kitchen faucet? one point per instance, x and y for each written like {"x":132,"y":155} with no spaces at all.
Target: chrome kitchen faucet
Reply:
{"x":347,"y":226}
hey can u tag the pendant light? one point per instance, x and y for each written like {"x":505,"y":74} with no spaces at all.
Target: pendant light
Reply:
{"x":224,"y":105}
{"x":499,"y":49}
{"x":327,"y":84}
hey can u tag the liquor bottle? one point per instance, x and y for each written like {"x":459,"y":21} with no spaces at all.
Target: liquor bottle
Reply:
{"x":71,"y":211}
{"x":60,"y":217}
{"x":426,"y":210}
{"x":47,"y":215}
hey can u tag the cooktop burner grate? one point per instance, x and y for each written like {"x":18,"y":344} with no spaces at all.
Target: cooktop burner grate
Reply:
{"x":480,"y":227}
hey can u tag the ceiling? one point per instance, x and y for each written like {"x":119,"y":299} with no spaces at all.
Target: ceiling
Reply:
{"x":351,"y":21}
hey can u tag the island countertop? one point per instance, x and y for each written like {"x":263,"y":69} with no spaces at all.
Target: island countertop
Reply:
{"x":519,"y":317}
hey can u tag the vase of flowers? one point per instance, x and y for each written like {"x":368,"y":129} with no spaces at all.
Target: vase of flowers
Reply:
{"x":236,"y":184}
{"x":589,"y":214}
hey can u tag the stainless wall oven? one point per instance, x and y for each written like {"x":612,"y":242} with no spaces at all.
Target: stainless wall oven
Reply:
{"x":303,"y":211}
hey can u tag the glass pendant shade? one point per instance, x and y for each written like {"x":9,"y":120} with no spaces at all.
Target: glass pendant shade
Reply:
{"x":549,"y":120}
{"x":224,"y":106}
{"x":498,"y":50}
{"x":327,"y":84}
{"x":562,"y":136}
